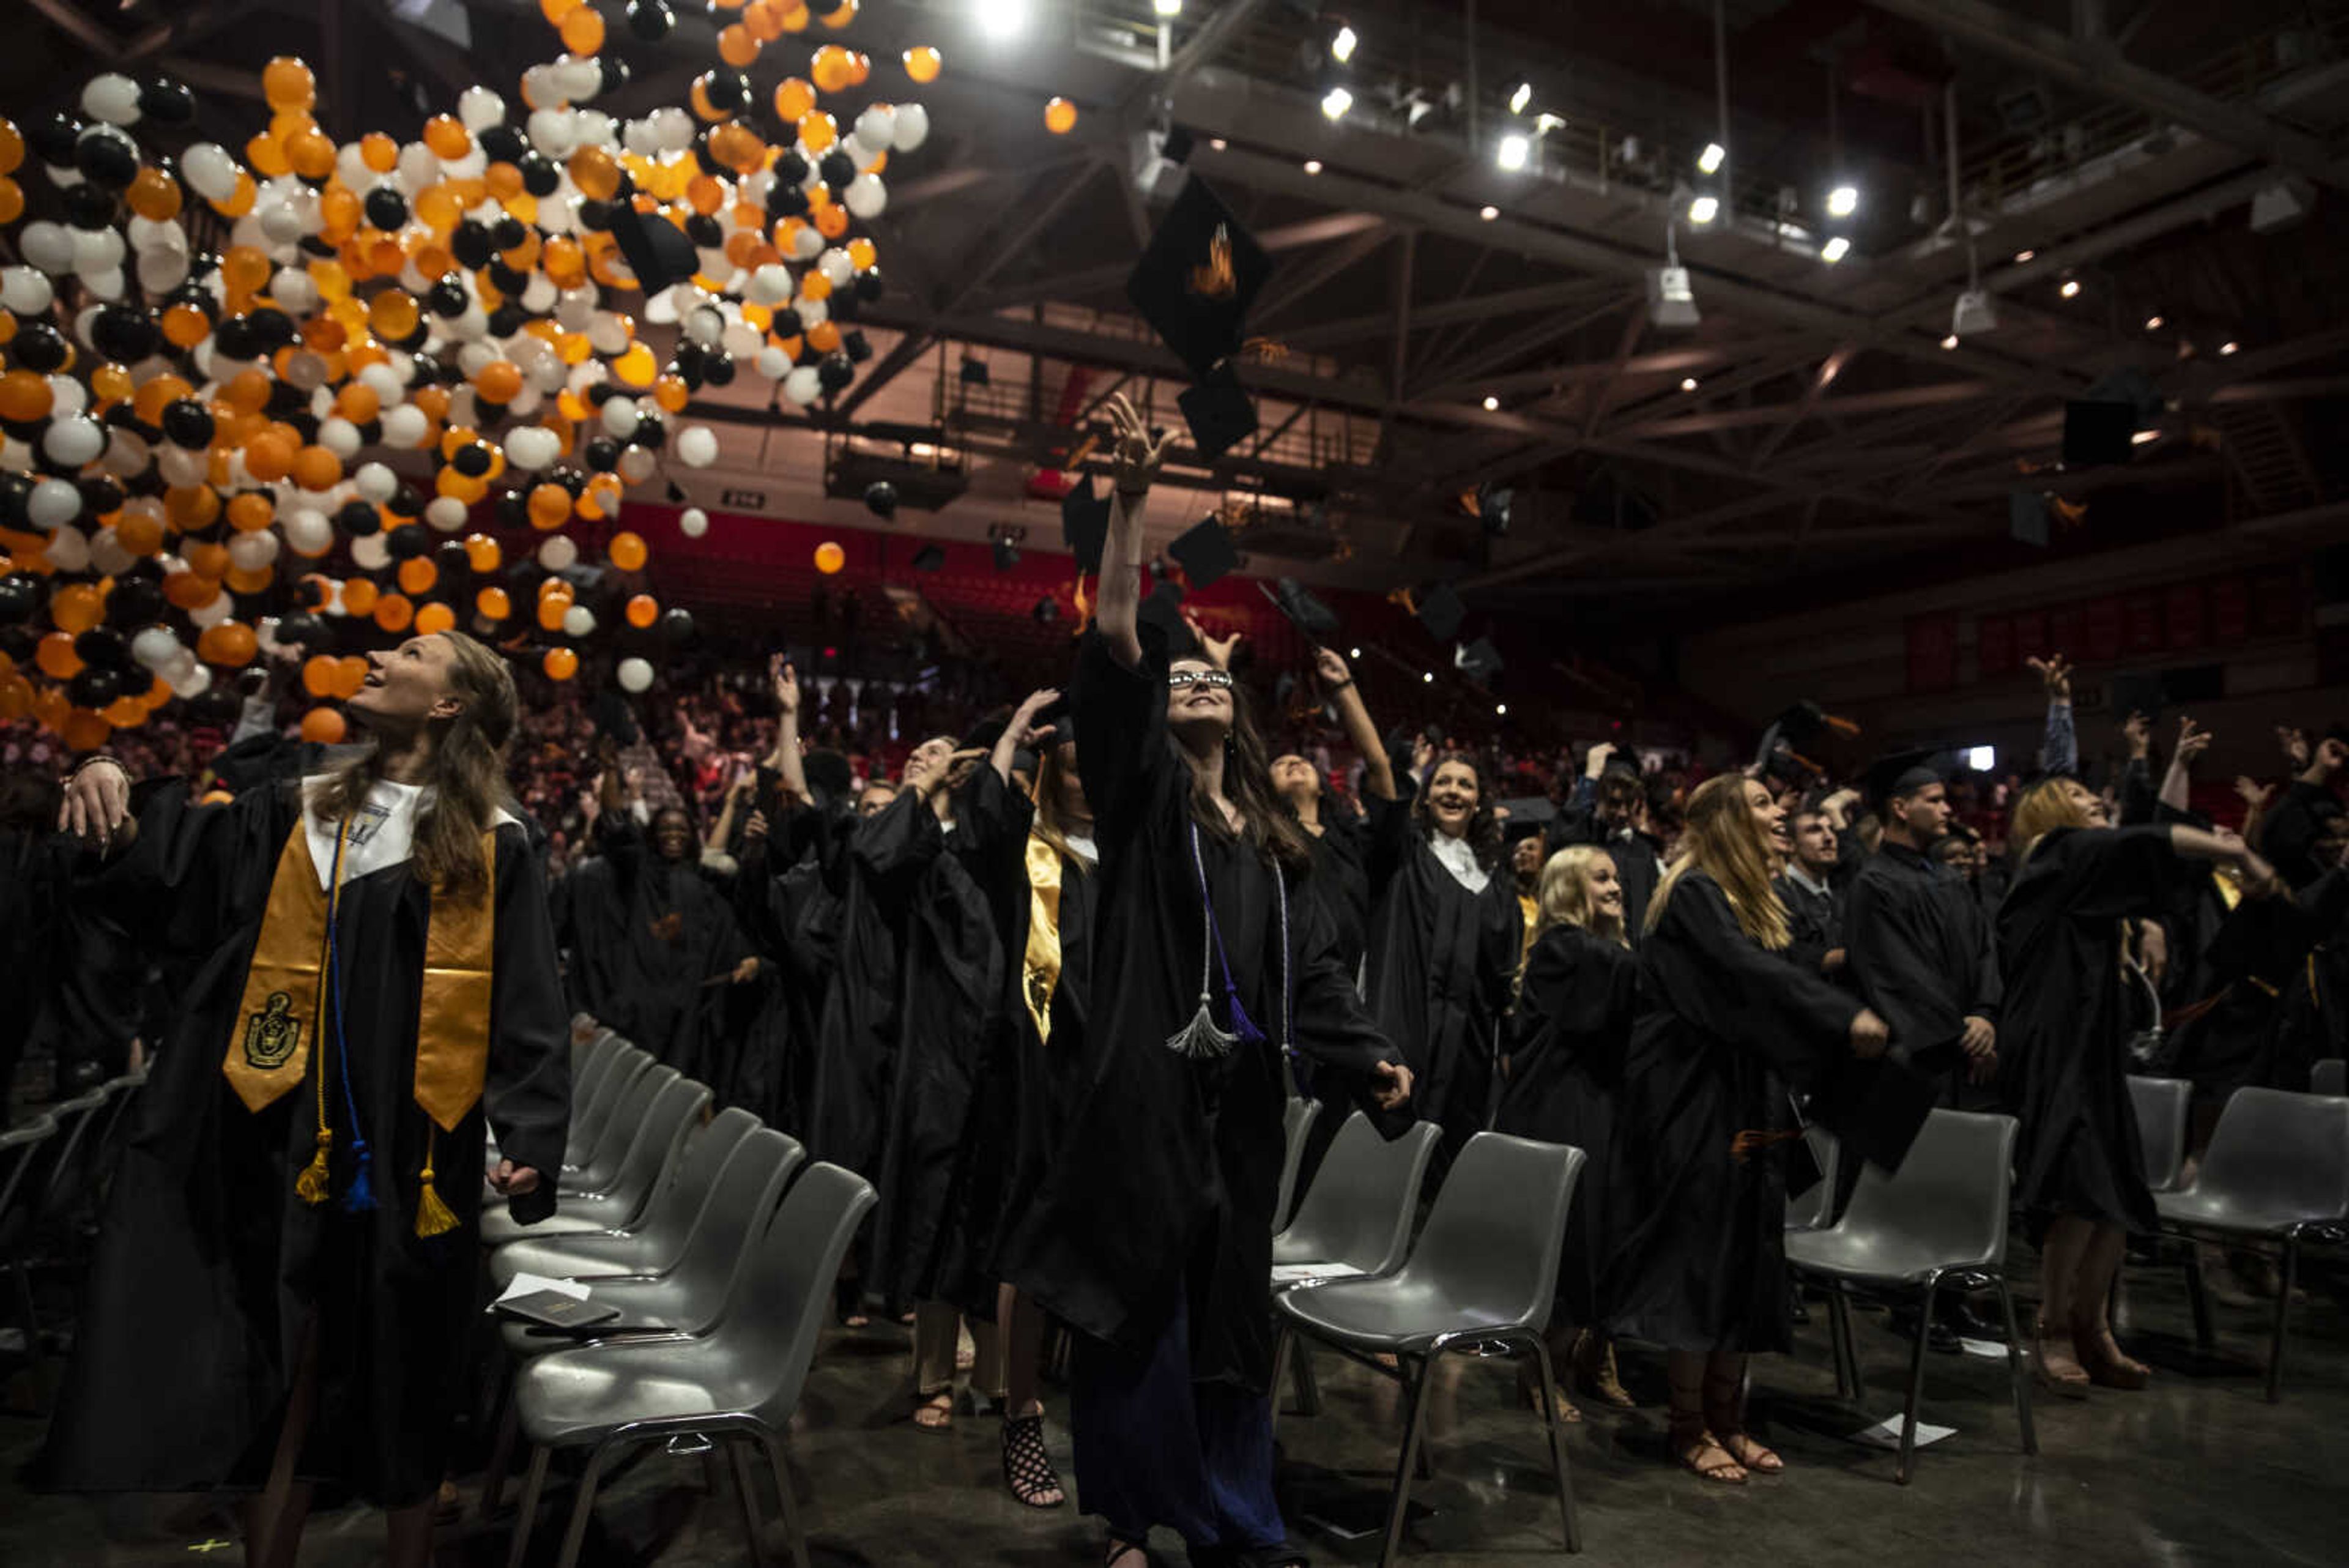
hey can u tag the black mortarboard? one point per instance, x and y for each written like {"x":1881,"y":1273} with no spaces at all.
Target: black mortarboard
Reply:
{"x":1309,"y":615}
{"x":2026,"y":517}
{"x":1162,"y":611}
{"x":1440,"y":612}
{"x":1900,"y":772}
{"x":1478,"y":660}
{"x":1490,"y":505}
{"x":983,"y":734}
{"x":1206,"y":553}
{"x":1198,"y":278}
{"x":2097,"y":433}
{"x":1219,"y":413}
{"x":1876,"y":1109}
{"x":929,"y":558}
{"x":1793,"y":729}
{"x":1084,"y":524}
{"x":656,"y":250}
{"x":1528,"y":813}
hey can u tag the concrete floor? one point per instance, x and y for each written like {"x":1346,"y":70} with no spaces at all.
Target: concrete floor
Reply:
{"x":2196,"y":1470}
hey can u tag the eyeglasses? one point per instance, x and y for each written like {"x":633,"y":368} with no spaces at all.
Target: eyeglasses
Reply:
{"x":1184,"y":679}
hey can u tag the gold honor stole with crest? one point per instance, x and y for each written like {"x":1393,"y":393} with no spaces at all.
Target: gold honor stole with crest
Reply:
{"x":1041,"y":968}
{"x":283,"y":1013}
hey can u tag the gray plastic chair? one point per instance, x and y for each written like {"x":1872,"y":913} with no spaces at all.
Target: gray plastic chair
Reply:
{"x":1943,"y":1217}
{"x":641,"y":1081}
{"x":736,"y":1388}
{"x":1485,"y":1271}
{"x":1294,"y":1126}
{"x":65,"y":1182}
{"x":2276,"y":1174}
{"x":21,"y":1148}
{"x":2161,"y":1104}
{"x":654,"y":1149}
{"x":596,"y":1112}
{"x":1815,"y":1208}
{"x":655,"y":1239}
{"x":1354,"y":1220}
{"x":2329,"y":1076}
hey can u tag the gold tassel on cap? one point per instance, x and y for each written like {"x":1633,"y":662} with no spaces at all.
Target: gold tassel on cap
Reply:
{"x":433,"y":1216}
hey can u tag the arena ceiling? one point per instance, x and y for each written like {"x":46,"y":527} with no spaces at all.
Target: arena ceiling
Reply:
{"x":1437,"y":323}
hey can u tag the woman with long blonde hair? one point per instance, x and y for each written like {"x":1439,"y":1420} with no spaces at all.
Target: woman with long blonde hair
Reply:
{"x":290,"y":1243}
{"x":1574,"y":1019}
{"x":2063,"y":1055}
{"x":1727,"y":1025}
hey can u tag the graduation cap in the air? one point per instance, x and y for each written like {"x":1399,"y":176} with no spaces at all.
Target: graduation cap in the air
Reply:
{"x":1198,"y":278}
{"x":1218,"y":411}
{"x":1204,"y":552}
{"x":929,"y":558}
{"x":1489,"y":503}
{"x":1162,"y":612}
{"x":1900,"y":772}
{"x":1478,"y":660}
{"x":1440,"y":612}
{"x":1796,"y":728}
{"x":1312,"y":619}
{"x":656,"y":250}
{"x":1527,"y":815}
{"x":1084,"y":523}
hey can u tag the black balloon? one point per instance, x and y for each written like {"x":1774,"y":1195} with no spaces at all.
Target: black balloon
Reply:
{"x":472,"y":460}
{"x":358,"y":518}
{"x":108,"y":156}
{"x":167,"y":101}
{"x":834,"y":372}
{"x":39,"y":346}
{"x":135,"y":601}
{"x":447,"y":299}
{"x":837,"y":168}
{"x":384,"y":207}
{"x":651,"y":19}
{"x":408,"y":544}
{"x":52,"y":140}
{"x":103,"y":646}
{"x":301,"y":630}
{"x":20,"y":595}
{"x":123,"y":332}
{"x":881,"y":499}
{"x":677,"y":624}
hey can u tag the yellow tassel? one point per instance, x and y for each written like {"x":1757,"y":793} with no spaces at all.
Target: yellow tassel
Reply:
{"x":310,"y":1187}
{"x":433,"y":1216}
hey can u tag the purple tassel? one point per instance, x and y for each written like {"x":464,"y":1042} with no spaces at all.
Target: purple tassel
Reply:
{"x":1243,"y":1027}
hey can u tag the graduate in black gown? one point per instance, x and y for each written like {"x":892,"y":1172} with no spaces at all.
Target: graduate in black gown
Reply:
{"x":1446,"y":934}
{"x":1727,"y":1027}
{"x":1608,"y":806}
{"x":283,"y":1288}
{"x":1575,"y":1009}
{"x":1814,"y":886}
{"x":1152,"y":1236}
{"x":2062,"y":1058}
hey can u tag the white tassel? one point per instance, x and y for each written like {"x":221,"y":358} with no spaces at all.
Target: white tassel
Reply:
{"x":1201,"y":1040}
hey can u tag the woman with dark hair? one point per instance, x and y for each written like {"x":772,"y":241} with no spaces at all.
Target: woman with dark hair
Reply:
{"x":1727,"y":1025}
{"x":1446,"y":931}
{"x":290,"y":1246}
{"x":1575,"y":1008}
{"x":1152,"y":1234}
{"x":2063,"y":1055}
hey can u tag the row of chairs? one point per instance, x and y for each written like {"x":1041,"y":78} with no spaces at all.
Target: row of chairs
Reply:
{"x":719,"y":1252}
{"x":55,"y":1167}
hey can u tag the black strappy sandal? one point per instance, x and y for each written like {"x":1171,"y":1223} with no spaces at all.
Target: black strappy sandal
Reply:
{"x":1125,"y":1554}
{"x":1028,"y":1469}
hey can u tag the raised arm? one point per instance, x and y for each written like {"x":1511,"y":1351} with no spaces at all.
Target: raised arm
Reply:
{"x":2059,"y":750}
{"x":1137,"y":458}
{"x":2178,"y":784}
{"x":785,"y":759}
{"x":1338,"y":684}
{"x":1021,"y":732}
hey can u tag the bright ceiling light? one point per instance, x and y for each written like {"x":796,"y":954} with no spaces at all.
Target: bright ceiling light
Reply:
{"x":2144,"y":437}
{"x":1710,"y":161}
{"x":1341,"y":48}
{"x":1167,"y":7}
{"x":1843,"y":202}
{"x":2071,"y":289}
{"x":1514,"y":151}
{"x":1218,"y":142}
{"x":2022,"y":256}
{"x":2153,"y":324}
{"x":1428,"y":676}
{"x":1834,"y":250}
{"x":1492,"y":405}
{"x":1705,"y":209}
{"x":1951,"y":341}
{"x":1688,"y":383}
{"x":1313,"y":166}
{"x":1488,"y":213}
{"x":1501,"y":709}
{"x":1522,"y":96}
{"x":1004,"y":18}
{"x":1336,"y":102}
{"x":2229,"y":346}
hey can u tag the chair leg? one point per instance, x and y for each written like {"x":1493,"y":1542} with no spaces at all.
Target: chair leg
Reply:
{"x":786,"y":1504}
{"x":1308,"y":1384}
{"x":1283,"y":1347}
{"x":745,"y":1494}
{"x":1916,"y":1380}
{"x":2282,"y":1317}
{"x":583,"y":1508}
{"x":1566,"y":1514}
{"x":1835,"y":1355}
{"x":1847,"y":1348}
{"x":2197,"y":1298}
{"x":2015,"y":1371}
{"x":501,"y":1450}
{"x":531,"y":1490}
{"x":1406,"y":1464}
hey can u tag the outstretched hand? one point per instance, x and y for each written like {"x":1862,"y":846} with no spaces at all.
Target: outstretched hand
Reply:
{"x":786,"y":684}
{"x":1136,"y":457}
{"x":2192,"y":740}
{"x":1331,"y":667}
{"x":1027,"y":733}
{"x":2054,"y":674}
{"x":1217,"y":651}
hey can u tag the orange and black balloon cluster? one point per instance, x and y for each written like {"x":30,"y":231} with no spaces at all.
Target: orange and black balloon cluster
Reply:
{"x":264,"y":394}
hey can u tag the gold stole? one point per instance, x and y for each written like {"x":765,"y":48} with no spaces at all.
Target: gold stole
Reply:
{"x":282,"y":1013}
{"x":1040,"y":971}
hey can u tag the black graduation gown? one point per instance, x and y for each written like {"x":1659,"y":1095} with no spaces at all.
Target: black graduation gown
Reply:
{"x":1816,"y":920}
{"x":1443,"y":965}
{"x":2252,"y":978}
{"x":790,"y":920}
{"x":1726,"y":1028}
{"x":1566,"y":1076}
{"x":872,"y":869}
{"x":36,"y":869}
{"x":2063,"y":1055}
{"x":1341,"y":881}
{"x":208,"y":1265}
{"x":662,"y":941}
{"x":1166,"y":1178}
{"x":1920,"y":955}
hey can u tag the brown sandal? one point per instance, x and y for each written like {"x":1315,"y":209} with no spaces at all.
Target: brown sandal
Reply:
{"x":1724,"y":1418}
{"x":1529,"y":1389}
{"x":1594,"y":1372}
{"x":934,"y":1412}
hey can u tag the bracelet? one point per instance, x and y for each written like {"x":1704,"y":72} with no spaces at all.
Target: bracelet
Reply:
{"x":76,"y":770}
{"x":1341,"y":685}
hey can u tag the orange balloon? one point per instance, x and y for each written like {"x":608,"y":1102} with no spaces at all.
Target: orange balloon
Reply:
{"x":124,"y":712}
{"x":288,"y":83}
{"x":26,"y":396}
{"x":550,"y":612}
{"x":229,"y":642}
{"x":56,"y":657}
{"x":447,"y":137}
{"x":582,"y":31}
{"x":321,"y":673}
{"x":482,"y":553}
{"x":737,"y":45}
{"x":549,"y":506}
{"x":493,"y":604}
{"x":500,"y":381}
{"x":433,"y":618}
{"x":324,"y":727}
{"x":76,"y":608}
{"x":643,"y":610}
{"x":829,"y":557}
{"x":560,"y":664}
{"x":190,"y":589}
{"x":1060,"y":117}
{"x":628,"y":551}
{"x":84,"y":731}
{"x":393,"y":612}
{"x":793,"y":100}
{"x":359,"y":596}
{"x":249,"y":511}
{"x":351,"y":673}
{"x":417,"y":576}
{"x":923,"y":62}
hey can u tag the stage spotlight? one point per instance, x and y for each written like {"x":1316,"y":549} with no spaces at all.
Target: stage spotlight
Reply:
{"x":1488,"y":213}
{"x":1168,"y":8}
{"x":1522,"y":96}
{"x":1834,"y":250}
{"x":1341,"y":48}
{"x":1515,"y":148}
{"x":1843,"y":202}
{"x":1336,"y":102}
{"x":1710,"y":161}
{"x":1705,"y":209}
{"x":2071,"y":289}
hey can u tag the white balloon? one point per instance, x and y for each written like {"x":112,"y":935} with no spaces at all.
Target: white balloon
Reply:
{"x":68,"y":396}
{"x":533,"y":447}
{"x":834,"y":264}
{"x":579,"y":77}
{"x":294,"y":291}
{"x":807,"y":243}
{"x":209,"y":171}
{"x":112,"y":97}
{"x":99,"y":250}
{"x":445,"y":512}
{"x":672,"y":128}
{"x":307,"y":530}
{"x":637,"y":465}
{"x":375,"y":483}
{"x":251,"y":552}
{"x":635,"y":675}
{"x":877,"y":126}
{"x":107,"y":282}
{"x":705,"y":325}
{"x":578,"y":621}
{"x":68,"y":550}
{"x":774,"y":363}
{"x":107,"y":554}
{"x":340,"y":436}
{"x":74,"y":440}
{"x":49,"y":246}
{"x":405,"y":426}
{"x":553,"y":133}
{"x":388,"y":386}
{"x":620,"y":418}
{"x":693,"y":521}
{"x":594,"y":128}
{"x":697,"y":446}
{"x":180,"y":467}
{"x":607,"y":334}
{"x":418,"y":167}
{"x":370,"y":553}
{"x":804,"y":385}
{"x":742,"y":340}
{"x":155,"y":646}
{"x":54,"y":503}
{"x":560,"y":552}
{"x":27,"y":291}
{"x":161,"y":270}
{"x":769,"y":285}
{"x":280,"y":222}
{"x":866,"y":196}
{"x":127,"y":454}
{"x":912,"y":127}
{"x":198,"y":680}
{"x":477,"y":108}
{"x":813,"y":311}
{"x":639,"y":138}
